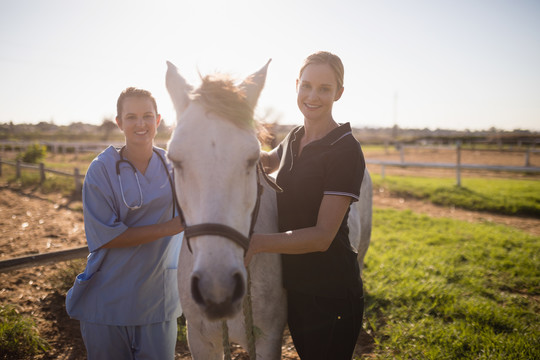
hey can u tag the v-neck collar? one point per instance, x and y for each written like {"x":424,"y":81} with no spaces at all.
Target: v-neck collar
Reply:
{"x":327,"y":140}
{"x":150,"y":168}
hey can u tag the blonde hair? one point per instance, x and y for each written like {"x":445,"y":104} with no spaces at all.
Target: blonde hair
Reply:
{"x":325,"y":57}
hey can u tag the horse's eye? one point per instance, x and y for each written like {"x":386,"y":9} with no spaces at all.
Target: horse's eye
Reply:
{"x":251,"y":162}
{"x":177,"y":165}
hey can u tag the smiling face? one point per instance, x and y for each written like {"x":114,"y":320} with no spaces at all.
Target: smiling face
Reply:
{"x":138,"y":120}
{"x":317,"y":89}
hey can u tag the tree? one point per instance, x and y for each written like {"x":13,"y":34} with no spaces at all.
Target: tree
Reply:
{"x":107,"y":127}
{"x":163,"y":128}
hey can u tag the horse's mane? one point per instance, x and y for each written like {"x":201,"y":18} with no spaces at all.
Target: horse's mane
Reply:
{"x":219,"y":95}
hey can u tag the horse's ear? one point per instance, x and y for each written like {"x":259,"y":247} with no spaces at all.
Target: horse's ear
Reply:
{"x":178,"y":88}
{"x":254,"y":84}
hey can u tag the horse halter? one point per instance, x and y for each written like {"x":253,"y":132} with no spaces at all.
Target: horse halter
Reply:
{"x":225,"y":230}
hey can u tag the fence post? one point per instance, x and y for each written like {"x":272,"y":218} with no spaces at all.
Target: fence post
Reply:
{"x":527,"y":158}
{"x":78,"y":185}
{"x":401,"y":153}
{"x":18,"y":170}
{"x":382,"y":171}
{"x":458,"y":164}
{"x":42,"y":172}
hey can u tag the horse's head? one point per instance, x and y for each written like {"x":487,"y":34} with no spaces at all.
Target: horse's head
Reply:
{"x":214,"y":150}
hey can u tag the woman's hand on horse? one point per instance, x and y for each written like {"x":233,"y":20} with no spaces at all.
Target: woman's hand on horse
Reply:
{"x":174,"y":226}
{"x":250,"y":251}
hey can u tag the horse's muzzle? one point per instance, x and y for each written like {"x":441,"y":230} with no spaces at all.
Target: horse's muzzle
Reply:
{"x":220,"y":300}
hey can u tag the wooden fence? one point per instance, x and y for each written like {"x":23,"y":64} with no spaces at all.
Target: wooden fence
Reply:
{"x":61,"y":147}
{"x":46,"y":258}
{"x":77,"y":177}
{"x":458,"y":166}
{"x":41,"y":259}
{"x":458,"y":148}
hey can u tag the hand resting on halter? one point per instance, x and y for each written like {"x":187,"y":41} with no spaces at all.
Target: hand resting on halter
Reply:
{"x":301,"y":241}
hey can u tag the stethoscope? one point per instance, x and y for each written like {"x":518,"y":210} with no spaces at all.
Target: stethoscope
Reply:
{"x":138,"y":206}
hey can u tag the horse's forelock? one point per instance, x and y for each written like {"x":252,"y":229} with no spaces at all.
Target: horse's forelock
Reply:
{"x":221,"y":96}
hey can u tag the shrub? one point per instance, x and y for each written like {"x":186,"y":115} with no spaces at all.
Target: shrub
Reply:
{"x":19,"y":337}
{"x":34,"y":154}
{"x":181,"y":334}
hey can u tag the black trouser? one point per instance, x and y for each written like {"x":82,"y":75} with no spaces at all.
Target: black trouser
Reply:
{"x":324,"y":328}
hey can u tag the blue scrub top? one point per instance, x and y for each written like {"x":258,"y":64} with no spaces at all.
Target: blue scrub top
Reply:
{"x":126,"y":286}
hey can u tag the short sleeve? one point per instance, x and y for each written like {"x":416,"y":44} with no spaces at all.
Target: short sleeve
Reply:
{"x":101,"y":217}
{"x":345,"y":167}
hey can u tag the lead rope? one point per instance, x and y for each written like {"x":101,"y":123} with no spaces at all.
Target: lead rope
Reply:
{"x":248,"y":326}
{"x":226,"y":345}
{"x":248,"y":321}
{"x":247,"y":306}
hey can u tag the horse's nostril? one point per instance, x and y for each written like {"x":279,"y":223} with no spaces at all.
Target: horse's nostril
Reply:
{"x":195,"y":291}
{"x":239,"y":288}
{"x":219,"y":297}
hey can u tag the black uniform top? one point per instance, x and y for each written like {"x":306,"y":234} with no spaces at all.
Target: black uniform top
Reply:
{"x":332,"y":165}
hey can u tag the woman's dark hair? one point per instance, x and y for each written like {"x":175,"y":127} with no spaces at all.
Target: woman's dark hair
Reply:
{"x":135,"y":92}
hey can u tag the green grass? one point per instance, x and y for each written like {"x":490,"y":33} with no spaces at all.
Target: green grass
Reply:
{"x":504,"y":196}
{"x":64,"y":277}
{"x":31,"y":179}
{"x":68,"y":162}
{"x":448,"y":289}
{"x":181,"y":333}
{"x":19,"y":338}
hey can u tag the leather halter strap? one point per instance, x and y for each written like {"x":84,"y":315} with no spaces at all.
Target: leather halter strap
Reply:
{"x":216,"y":229}
{"x":225,"y":230}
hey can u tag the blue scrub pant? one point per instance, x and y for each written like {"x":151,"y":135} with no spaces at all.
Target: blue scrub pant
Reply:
{"x":154,"y":341}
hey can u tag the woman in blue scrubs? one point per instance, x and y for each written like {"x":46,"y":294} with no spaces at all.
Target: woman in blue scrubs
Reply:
{"x":127,"y":297}
{"x":320,"y":169}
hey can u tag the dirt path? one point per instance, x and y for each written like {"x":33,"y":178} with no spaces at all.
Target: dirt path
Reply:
{"x":31,"y":222}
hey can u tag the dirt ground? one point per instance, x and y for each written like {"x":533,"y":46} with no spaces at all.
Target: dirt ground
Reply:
{"x":32,"y":222}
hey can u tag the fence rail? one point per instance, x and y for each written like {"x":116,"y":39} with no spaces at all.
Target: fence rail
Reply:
{"x":533,"y":169}
{"x":60,"y":147}
{"x":42,"y":170}
{"x":457,"y":166}
{"x":458,"y":147}
{"x":527,"y":168}
{"x":43,"y":259}
{"x":63,"y":255}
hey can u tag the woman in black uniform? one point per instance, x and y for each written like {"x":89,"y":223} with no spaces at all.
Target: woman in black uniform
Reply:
{"x":320,"y":168}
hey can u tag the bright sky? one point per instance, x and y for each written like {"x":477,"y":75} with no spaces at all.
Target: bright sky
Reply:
{"x":450,"y":64}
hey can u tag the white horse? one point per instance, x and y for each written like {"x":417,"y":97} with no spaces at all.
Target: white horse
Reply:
{"x":214,"y":149}
{"x":360,"y":217}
